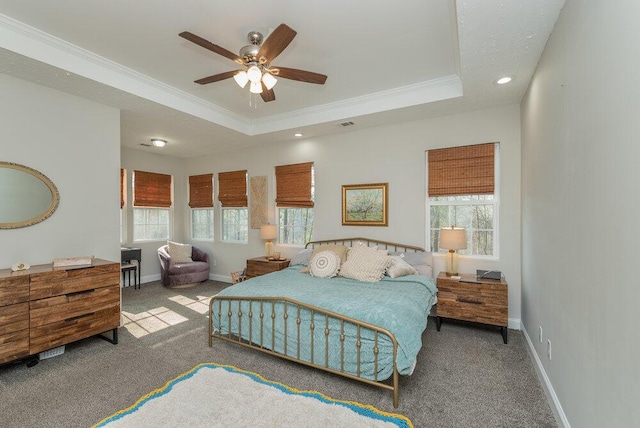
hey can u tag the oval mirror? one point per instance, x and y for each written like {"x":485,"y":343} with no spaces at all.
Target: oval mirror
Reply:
{"x":27,"y":196}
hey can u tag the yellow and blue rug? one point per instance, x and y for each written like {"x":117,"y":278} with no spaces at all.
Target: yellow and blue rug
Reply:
{"x":215,"y":395}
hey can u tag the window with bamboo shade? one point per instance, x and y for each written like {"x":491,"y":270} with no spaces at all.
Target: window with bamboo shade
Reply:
{"x":151,"y":189}
{"x":462,"y":192}
{"x":294,"y":185}
{"x":201,"y":204}
{"x":201,"y":191}
{"x":232,"y":188}
{"x":294,"y":199}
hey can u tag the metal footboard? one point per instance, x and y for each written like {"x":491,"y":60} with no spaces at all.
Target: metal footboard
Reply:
{"x":243,"y":315}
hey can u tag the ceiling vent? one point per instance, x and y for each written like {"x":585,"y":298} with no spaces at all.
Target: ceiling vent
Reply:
{"x":347,"y":123}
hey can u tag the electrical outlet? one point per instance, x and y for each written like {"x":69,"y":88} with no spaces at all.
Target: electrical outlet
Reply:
{"x":540,"y":333}
{"x":549,"y":349}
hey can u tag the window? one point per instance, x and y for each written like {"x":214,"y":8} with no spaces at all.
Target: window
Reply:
{"x":201,"y":203}
{"x":462,"y":193}
{"x":152,"y":201}
{"x":294,"y":199}
{"x":232,"y":194}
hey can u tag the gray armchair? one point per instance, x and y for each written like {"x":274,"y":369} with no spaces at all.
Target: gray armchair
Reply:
{"x":173,"y":274}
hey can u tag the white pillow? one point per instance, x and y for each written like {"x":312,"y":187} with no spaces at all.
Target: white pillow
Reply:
{"x":399,"y":267}
{"x":179,"y":253}
{"x":325,"y":264}
{"x":365,"y":265}
{"x":302,"y":258}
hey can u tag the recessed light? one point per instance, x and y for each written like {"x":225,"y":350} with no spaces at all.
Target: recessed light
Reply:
{"x":158,"y":143}
{"x":297,"y":134}
{"x":503,"y":80}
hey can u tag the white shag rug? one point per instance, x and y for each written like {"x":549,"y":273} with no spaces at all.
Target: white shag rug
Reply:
{"x":212,"y":395}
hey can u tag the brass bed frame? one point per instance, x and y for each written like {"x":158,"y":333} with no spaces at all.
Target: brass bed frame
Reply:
{"x":256,"y":340}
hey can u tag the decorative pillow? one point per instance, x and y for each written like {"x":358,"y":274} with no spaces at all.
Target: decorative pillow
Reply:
{"x":325,"y":264}
{"x":340,"y":250}
{"x":180,"y":253}
{"x":302,"y":258}
{"x":399,"y":267}
{"x":362,"y":246}
{"x":365,"y":265}
{"x":421,"y":261}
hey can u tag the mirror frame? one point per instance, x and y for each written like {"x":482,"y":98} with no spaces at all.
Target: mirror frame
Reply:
{"x":55,"y":197}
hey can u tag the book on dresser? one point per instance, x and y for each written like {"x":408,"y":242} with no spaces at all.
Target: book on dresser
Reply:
{"x":45,"y":307}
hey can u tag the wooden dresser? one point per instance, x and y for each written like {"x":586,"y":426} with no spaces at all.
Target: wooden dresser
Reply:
{"x":45,"y":307}
{"x":261,"y":266}
{"x":471,"y":299}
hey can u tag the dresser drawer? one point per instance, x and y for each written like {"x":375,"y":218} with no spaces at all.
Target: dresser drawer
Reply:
{"x":481,"y":303}
{"x":14,"y":332}
{"x":71,"y":329}
{"x":14,"y":289}
{"x":62,"y":281}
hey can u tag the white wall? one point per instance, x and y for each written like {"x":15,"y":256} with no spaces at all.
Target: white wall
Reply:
{"x":150,"y":161}
{"x":393,"y":154}
{"x":76,"y":143}
{"x":580,"y":182}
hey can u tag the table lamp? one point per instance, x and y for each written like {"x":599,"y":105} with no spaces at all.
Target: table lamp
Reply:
{"x":452,"y":239}
{"x":268,"y":232}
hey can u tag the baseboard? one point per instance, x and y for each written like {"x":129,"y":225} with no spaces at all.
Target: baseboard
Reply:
{"x":514,"y":324}
{"x":552,"y":397}
{"x":221,"y":278}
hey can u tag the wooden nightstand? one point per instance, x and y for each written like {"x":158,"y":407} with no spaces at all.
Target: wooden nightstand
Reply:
{"x":477,"y":300}
{"x":261,"y":266}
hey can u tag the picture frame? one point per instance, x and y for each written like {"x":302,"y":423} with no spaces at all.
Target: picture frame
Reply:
{"x":365,"y":204}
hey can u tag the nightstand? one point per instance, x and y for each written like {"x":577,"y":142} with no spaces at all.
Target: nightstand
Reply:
{"x":261,"y":266}
{"x":482,"y":301}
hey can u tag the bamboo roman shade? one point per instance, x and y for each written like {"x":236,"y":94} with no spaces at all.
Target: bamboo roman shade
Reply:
{"x":201,"y":191}
{"x":121,"y":188}
{"x":466,"y":170}
{"x":293,"y":185}
{"x":151,"y":189}
{"x":232,"y":188}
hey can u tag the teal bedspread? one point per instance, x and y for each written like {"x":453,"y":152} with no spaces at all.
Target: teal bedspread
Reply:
{"x":400,"y":305}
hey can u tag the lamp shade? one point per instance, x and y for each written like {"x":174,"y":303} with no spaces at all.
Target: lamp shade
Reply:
{"x":241,"y":78}
{"x":255,"y":88}
{"x":269,"y":81}
{"x":453,"y":238}
{"x":254,"y":74}
{"x":268,"y":231}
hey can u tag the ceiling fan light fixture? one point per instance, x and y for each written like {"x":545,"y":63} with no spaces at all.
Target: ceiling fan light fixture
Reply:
{"x":158,"y":142}
{"x":254,"y":74}
{"x":241,"y":78}
{"x":255,"y":88}
{"x":269,"y":81}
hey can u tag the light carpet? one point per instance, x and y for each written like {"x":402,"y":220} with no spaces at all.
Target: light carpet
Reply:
{"x":213,"y":395}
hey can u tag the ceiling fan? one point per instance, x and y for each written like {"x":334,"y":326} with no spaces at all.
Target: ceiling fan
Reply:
{"x":256,"y":59}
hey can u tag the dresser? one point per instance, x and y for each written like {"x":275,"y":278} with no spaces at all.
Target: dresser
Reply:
{"x":469,"y":298}
{"x":261,"y":266}
{"x":45,"y":307}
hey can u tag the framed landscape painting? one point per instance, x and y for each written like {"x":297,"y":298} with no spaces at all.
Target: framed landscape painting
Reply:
{"x":365,"y":204}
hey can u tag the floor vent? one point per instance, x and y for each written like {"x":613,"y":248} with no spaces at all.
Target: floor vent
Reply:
{"x":347,"y":123}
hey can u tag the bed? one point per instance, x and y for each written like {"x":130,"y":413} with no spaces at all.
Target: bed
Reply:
{"x":364,"y":330}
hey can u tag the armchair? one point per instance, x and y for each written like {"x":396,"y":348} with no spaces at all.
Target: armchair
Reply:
{"x":174,"y":274}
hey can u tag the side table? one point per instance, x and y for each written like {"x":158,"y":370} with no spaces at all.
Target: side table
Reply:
{"x":473,"y":299}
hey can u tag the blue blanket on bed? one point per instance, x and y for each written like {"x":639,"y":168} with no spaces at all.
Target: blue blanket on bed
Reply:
{"x":400,"y":305}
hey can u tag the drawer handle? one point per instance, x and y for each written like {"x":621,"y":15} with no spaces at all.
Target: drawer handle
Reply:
{"x":79,"y":293}
{"x":473,"y":302}
{"x":79,"y":316}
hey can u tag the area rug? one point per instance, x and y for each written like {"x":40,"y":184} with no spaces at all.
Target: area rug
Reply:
{"x":214,"y":395}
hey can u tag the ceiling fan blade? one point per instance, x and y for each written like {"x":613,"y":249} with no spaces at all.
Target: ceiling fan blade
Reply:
{"x":212,"y":47}
{"x":267,"y":94}
{"x":301,"y":75}
{"x":216,"y":77}
{"x":277,"y":41}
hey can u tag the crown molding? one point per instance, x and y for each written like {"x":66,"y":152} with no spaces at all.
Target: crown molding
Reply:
{"x":40,"y":46}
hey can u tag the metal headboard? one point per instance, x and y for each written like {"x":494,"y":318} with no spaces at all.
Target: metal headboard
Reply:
{"x":391,"y":246}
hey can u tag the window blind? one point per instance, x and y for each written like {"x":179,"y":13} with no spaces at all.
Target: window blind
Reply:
{"x":232,"y":188}
{"x":293,"y":185}
{"x":466,"y":170}
{"x":151,"y":189}
{"x":121,"y":188}
{"x":201,"y":191}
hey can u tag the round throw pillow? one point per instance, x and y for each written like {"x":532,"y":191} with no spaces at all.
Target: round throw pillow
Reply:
{"x":325,"y":264}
